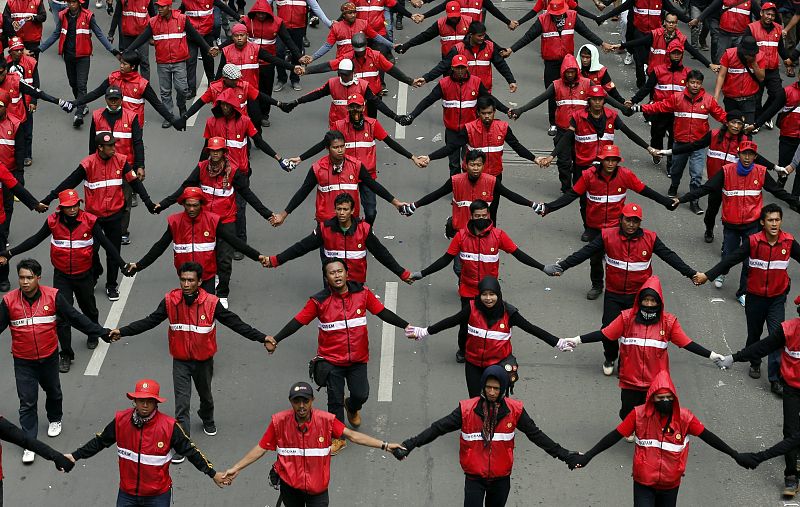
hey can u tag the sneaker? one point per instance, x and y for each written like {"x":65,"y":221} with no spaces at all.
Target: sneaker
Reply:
{"x":672,"y":192}
{"x":656,"y":159}
{"x":237,"y":256}
{"x":608,"y":368}
{"x":27,"y":162}
{"x":78,"y":121}
{"x":337,"y":444}
{"x":166,"y":124}
{"x":755,"y":372}
{"x":695,"y":208}
{"x":354,"y":418}
{"x":741,"y":299}
{"x":718,"y":281}
{"x":278,"y":86}
{"x":91,"y":342}
{"x":551,"y":131}
{"x":265,"y":122}
{"x":594,"y":293}
{"x":399,"y":23}
{"x":224,"y":302}
{"x":64,"y":364}
{"x":210,"y":429}
{"x":98,"y":4}
{"x":769,"y":125}
{"x":126,"y":239}
{"x":54,"y":429}
{"x":789,"y":488}
{"x":460,"y":358}
{"x":134,"y":200}
{"x":306,"y":42}
{"x":112,"y":293}
{"x":628,"y":59}
{"x":296,"y":86}
{"x":585,"y":236}
{"x":776,"y":388}
{"x":177,"y":459}
{"x":708,"y":237}
{"x":313,"y":21}
{"x":28,"y":457}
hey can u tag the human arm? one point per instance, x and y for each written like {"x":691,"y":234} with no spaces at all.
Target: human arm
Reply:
{"x":697,"y":55}
{"x":233,"y":322}
{"x":384,"y":256}
{"x":526,"y":425}
{"x":71,"y":181}
{"x":611,"y":88}
{"x":193,"y":35}
{"x":516,"y":319}
{"x":772,"y":186}
{"x":397,"y":147}
{"x":297,"y":199}
{"x":184,"y":446}
{"x":102,"y":440}
{"x":530,"y":35}
{"x":308,"y":244}
{"x":151,"y":97}
{"x":434,"y":96}
{"x":307,"y":314}
{"x":713,"y":184}
{"x":116,"y":19}
{"x":108,"y":246}
{"x":646,"y":89}
{"x":726,"y":263}
{"x":452,"y":321}
{"x":492,"y":9}
{"x":10,"y":432}
{"x":437,"y":194}
{"x":43,"y":46}
{"x":438,"y":264}
{"x":266,"y":56}
{"x":633,"y":136}
{"x":29,"y":243}
{"x":563,"y":200}
{"x":144,"y":38}
{"x":240,"y":246}
{"x":517,"y":146}
{"x":536,"y":101}
{"x":717,"y":443}
{"x":670,"y":257}
{"x":501,"y":65}
{"x":527,"y":259}
{"x":241,"y":183}
{"x":443,"y":426}
{"x":713,"y":7}
{"x":94,"y":94}
{"x":582,"y":29}
{"x":775,"y":341}
{"x":158,"y":248}
{"x":138,"y":145}
{"x":593,"y":247}
{"x":512,"y":196}
{"x":79,"y":321}
{"x":366,"y":179}
{"x":317,"y":10}
{"x":455,"y":142}
{"x":98,"y":32}
{"x":426,"y":35}
{"x":147,"y":323}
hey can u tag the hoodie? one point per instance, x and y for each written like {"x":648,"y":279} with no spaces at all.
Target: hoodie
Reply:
{"x":594,"y":65}
{"x":495,"y":313}
{"x":500,"y":374}
{"x":261,"y":6}
{"x":229,"y":97}
{"x":570,"y":62}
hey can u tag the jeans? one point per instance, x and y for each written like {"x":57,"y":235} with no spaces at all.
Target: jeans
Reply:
{"x":170,"y":74}
{"x":126,"y":500}
{"x":297,"y":498}
{"x":772,"y":311}
{"x":733,"y":239}
{"x":629,"y":400}
{"x":727,"y":40}
{"x":357,"y":383}
{"x":613,"y":304}
{"x":80,"y":287}
{"x":640,"y":54}
{"x":495,"y":492}
{"x":697,"y":164}
{"x":112,"y":228}
{"x":57,"y":6}
{"x":694,"y":13}
{"x":645,"y":496}
{"x":143,"y":51}
{"x":29,"y":375}
{"x":77,"y":75}
{"x":369,"y":203}
{"x":183,"y":374}
{"x":191,"y":63}
{"x":713,"y":30}
{"x":791,"y":425}
{"x":296,"y":34}
{"x":224,"y":262}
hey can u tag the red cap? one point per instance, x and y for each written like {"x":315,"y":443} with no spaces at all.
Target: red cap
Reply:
{"x":608,"y":151}
{"x":797,"y":300}
{"x":356,"y":98}
{"x":453,"y":9}
{"x":596,"y":91}
{"x":748,"y":145}
{"x":675,"y":45}
{"x":217,"y":143}
{"x":5,"y":98}
{"x":67,"y":198}
{"x":663,"y":390}
{"x":557,"y":7}
{"x":192,"y":193}
{"x":632,"y":210}
{"x":146,"y":389}
{"x":768,"y":5}
{"x":166,"y":3}
{"x":459,"y":61}
{"x":238,"y":28}
{"x":15,"y":43}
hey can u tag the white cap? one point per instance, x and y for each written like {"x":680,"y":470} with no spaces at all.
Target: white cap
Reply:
{"x":346,"y":65}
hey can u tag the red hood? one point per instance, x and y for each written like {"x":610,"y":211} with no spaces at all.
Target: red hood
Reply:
{"x":662,"y":381}
{"x":229,"y":97}
{"x":570,"y":62}
{"x":651,"y":283}
{"x":261,"y":6}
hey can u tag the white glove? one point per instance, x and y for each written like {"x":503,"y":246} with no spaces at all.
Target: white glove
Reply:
{"x":665,"y":152}
{"x":714,"y":357}
{"x":636,"y":108}
{"x":781,"y":170}
{"x":723,"y":362}
{"x":565,"y":345}
{"x":420,"y":333}
{"x":538,"y":208}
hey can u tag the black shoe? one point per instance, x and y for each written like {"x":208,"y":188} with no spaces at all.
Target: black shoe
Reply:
{"x":776,"y":388}
{"x":112,"y":293}
{"x":460,"y":356}
{"x":708,"y":236}
{"x":695,"y":208}
{"x":313,"y":22}
{"x":672,"y":192}
{"x":790,"y":486}
{"x":77,"y":121}
{"x":5,"y":286}
{"x":237,"y":256}
{"x":399,"y":24}
{"x":306,"y":43}
{"x":64,"y":364}
{"x":91,"y":342}
{"x":594,"y":293}
{"x":755,"y":372}
{"x":265,"y":122}
{"x":210,"y":429}
{"x":192,"y":94}
{"x":27,"y":162}
{"x":296,"y":86}
{"x":166,"y":124}
{"x":126,"y":239}
{"x":585,"y":236}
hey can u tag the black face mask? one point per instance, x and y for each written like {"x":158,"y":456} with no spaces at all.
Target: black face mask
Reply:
{"x":480,"y":224}
{"x":664,"y":407}
{"x":649,"y":314}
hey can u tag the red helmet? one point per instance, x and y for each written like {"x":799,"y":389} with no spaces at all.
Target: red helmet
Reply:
{"x":632,"y":210}
{"x":146,"y":389}
{"x":610,"y":151}
{"x":748,"y":146}
{"x":596,"y":91}
{"x":192,"y":193}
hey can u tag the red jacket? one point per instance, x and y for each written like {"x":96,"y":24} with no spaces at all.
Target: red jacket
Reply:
{"x":144,"y":453}
{"x":472,"y":9}
{"x":366,"y":68}
{"x":360,"y":144}
{"x":33,"y":327}
{"x":8,"y":181}
{"x":735,"y":16}
{"x":789,"y":117}
{"x":605,"y":195}
{"x":556,"y":45}
{"x":489,"y":140}
{"x":627,"y":259}
{"x":246,"y":60}
{"x":170,"y":38}
{"x":767,"y":42}
{"x":767,"y":265}
{"x":790,"y":357}
{"x":83,"y":33}
{"x":722,"y":151}
{"x":668,"y":81}
{"x":243,"y":90}
{"x":200,"y":14}
{"x":236,"y":130}
{"x":487,"y":345}
{"x":8,"y":146}
{"x":17,"y":108}
{"x":31,"y":31}
{"x":479,"y":61}
{"x":691,"y":113}
{"x":466,"y":191}
{"x":480,"y":256}
{"x":292,"y":12}
{"x":371,"y":11}
{"x":647,"y":15}
{"x":263,"y":33}
{"x":329,"y":185}
{"x":742,"y":197}
{"x":71,"y":250}
{"x":738,"y":81}
{"x":219,"y":192}
{"x":342,"y":31}
{"x":497,"y":459}
{"x":459,"y":99}
{"x":588,"y":141}
{"x":569,"y":99}
{"x":658,"y":49}
{"x":28,"y":64}
{"x":102,"y":186}
{"x":195,"y":240}
{"x":448,"y":35}
{"x":339,"y":94}
{"x":132,"y":85}
{"x":192,"y":328}
{"x":350,"y":247}
{"x":122,"y":131}
{"x":135,"y":17}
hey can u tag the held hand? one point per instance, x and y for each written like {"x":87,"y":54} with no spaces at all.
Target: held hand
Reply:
{"x":628,"y":103}
{"x":407,"y":210}
{"x":636,"y":108}
{"x":505,"y":53}
{"x":565,"y":345}
{"x":3,"y":261}
{"x":32,"y":107}
{"x":666,"y":153}
{"x":299,"y":70}
{"x":421,"y":161}
{"x":543,"y":161}
{"x":287,"y":164}
{"x":607,"y":47}
{"x":725,"y":363}
{"x":576,"y":460}
{"x":220,"y":480}
{"x":131,"y":268}
{"x":64,"y":463}
{"x":264,"y":260}
{"x":157,"y":208}
{"x":278,"y":218}
{"x":539,"y":208}
{"x":675,"y":203}
{"x":287,"y":107}
{"x":747,"y":460}
{"x":714,"y":67}
{"x":699,"y":278}
{"x":694,"y":22}
{"x":213,"y":52}
{"x":114,"y":335}
{"x":513,"y":114}
{"x":788,"y":62}
{"x":400,"y":453}
{"x":140,"y":173}
{"x":418,"y":333}
{"x":399,"y":49}
{"x":41,"y":208}
{"x":652,"y":151}
{"x":66,"y":105}
{"x":406,"y":119}
{"x":70,"y":457}
{"x":418,"y":82}
{"x":179,"y":123}
{"x":306,"y":59}
{"x":231,"y":474}
{"x":512,"y":87}
{"x":416,"y":275}
{"x":391,"y":447}
{"x":417,"y":18}
{"x":270,"y":344}
{"x":553,"y":269}
{"x":715,"y":358}
{"x":513,"y":25}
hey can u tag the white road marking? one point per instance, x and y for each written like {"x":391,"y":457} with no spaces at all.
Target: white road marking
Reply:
{"x":387,"y":344}
{"x":112,"y":321}
{"x":201,"y":89}
{"x":402,"y":103}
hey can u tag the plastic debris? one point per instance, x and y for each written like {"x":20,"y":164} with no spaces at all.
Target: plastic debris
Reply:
{"x":437,"y":138}
{"x":391,"y":237}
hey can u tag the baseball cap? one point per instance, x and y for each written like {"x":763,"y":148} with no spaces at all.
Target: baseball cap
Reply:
{"x":217,"y":143}
{"x":459,"y":61}
{"x":748,"y":146}
{"x":596,"y":91}
{"x":768,"y":5}
{"x":146,"y":389}
{"x":557,"y":7}
{"x":632,"y":210}
{"x":104,"y":138}
{"x":164,"y":3}
{"x":113,"y":92}
{"x":675,"y":45}
{"x":192,"y":193}
{"x":356,"y":98}
{"x":301,"y":390}
{"x":67,"y":198}
{"x":345,"y":65}
{"x":15,"y":43}
{"x":453,"y":9}
{"x":348,"y":7}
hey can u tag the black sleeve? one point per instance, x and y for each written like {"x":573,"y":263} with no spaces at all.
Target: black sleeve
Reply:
{"x":726,"y":263}
{"x":266,"y":56}
{"x":657,"y":197}
{"x":100,"y":236}
{"x":24,"y":196}
{"x":297,"y":199}
{"x":703,"y":142}
{"x":593,"y":336}
{"x":527,"y":17}
{"x":437,"y":194}
{"x":633,"y":136}
{"x":563,"y":200}
{"x":494,"y":11}
{"x":398,"y":74}
{"x":308,"y":244}
{"x":606,"y":442}
{"x":697,"y":55}
{"x":193,"y":35}
{"x":380,"y":190}
{"x":436,"y":9}
{"x":646,"y":40}
{"x":567,"y":142}
{"x":138,"y":187}
{"x":425,"y":103}
{"x":776,"y":340}
{"x":424,"y":36}
{"x":4,"y":319}
{"x":713,"y":184}
{"x":527,"y":259}
{"x":29,"y":243}
{"x":79,"y":321}
{"x":441,"y":67}
{"x":455,"y":143}
{"x":379,"y":104}
{"x":242,"y":185}
{"x":237,"y":243}
{"x":181,"y":442}
{"x":516,"y":319}
{"x":672,"y":9}
{"x":438,"y":264}
{"x":317,"y":148}
{"x":138,"y":145}
{"x":288,"y":330}
{"x":452,"y":321}
{"x":262,"y":145}
{"x":158,"y":248}
{"x":624,"y":6}
{"x":446,"y":424}
{"x":116,"y":19}
{"x":145,"y":36}
{"x":383,"y":255}
{"x":223,"y":6}
{"x":645,"y":90}
{"x":147,"y":323}
{"x":538,"y":437}
{"x":499,"y":104}
{"x":529,"y":36}
{"x":397,"y":147}
{"x":29,"y":90}
{"x":517,"y":146}
{"x":322,"y":91}
{"x":670,"y":257}
{"x":713,"y":8}
{"x":11,"y":433}
{"x":512,"y":196}
{"x":795,"y":253}
{"x":717,"y":443}
{"x":233,"y":322}
{"x":502,"y":66}
{"x":538,"y":100}
{"x":696,"y":348}
{"x":392,"y":318}
{"x":102,"y":440}
{"x":581,"y":28}
{"x":780,"y":448}
{"x":769,"y":111}
{"x":151,"y":97}
{"x":613,"y":92}
{"x":595,"y":246}
{"x":771,"y":186}
{"x":193,"y":180}
{"x":94,"y":94}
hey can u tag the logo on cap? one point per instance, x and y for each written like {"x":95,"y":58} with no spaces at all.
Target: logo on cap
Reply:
{"x":144,"y":385}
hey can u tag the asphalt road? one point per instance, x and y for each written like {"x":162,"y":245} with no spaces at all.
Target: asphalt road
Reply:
{"x":565,"y":393}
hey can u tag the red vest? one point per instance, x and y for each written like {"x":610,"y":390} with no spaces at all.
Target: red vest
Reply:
{"x":83,"y":32}
{"x":659,"y":458}
{"x":480,"y":257}
{"x":304,"y":457}
{"x":367,"y":68}
{"x":767,"y":274}
{"x":6,"y":174}
{"x":722,"y":152}
{"x":790,"y":358}
{"x":28,"y":64}
{"x":144,"y":453}
{"x":570,"y":99}
{"x":464,"y":192}
{"x":242,"y":92}
{"x":192,"y":329}
{"x":480,"y":62}
{"x":351,"y":247}
{"x":668,"y":81}
{"x":343,"y":31}
{"x":360,"y":144}
{"x":343,"y":338}
{"x":235,"y":131}
{"x":170,"y":38}
{"x":17,"y":108}
{"x":31,"y":31}
{"x":122,"y":131}
{"x":264,"y":33}
{"x":8,"y":133}
{"x":735,"y":16}
{"x":555,"y":45}
{"x":329,"y":185}
{"x":738,"y":81}
{"x":647,"y":15}
{"x":596,"y":77}
{"x":245,"y":59}
{"x":71,"y":250}
{"x":588,"y":141}
{"x":33,"y":327}
{"x":200,"y":14}
{"x":789,"y":117}
{"x":195,"y":240}
{"x":497,"y":459}
{"x":490,"y":141}
{"x":658,"y":50}
{"x":132,"y":85}
{"x":292,"y":12}
{"x":135,"y":17}
{"x":691,"y":115}
{"x":627,"y":260}
{"x":767,"y":42}
{"x":372,"y":12}
{"x":472,"y":9}
{"x":339,"y":94}
{"x":220,"y":198}
{"x":605,"y":198}
{"x":449,"y":36}
{"x":459,"y":99}
{"x":487,"y":345}
{"x":643,"y":350}
{"x":741,"y":195}
{"x":102,"y":187}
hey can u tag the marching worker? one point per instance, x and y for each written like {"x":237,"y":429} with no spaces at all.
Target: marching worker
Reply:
{"x":28,"y":69}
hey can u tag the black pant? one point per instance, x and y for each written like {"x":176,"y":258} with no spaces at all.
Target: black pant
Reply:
{"x":233,"y":4}
{"x":29,"y":375}
{"x":3,"y":240}
{"x":183,"y":374}
{"x":552,"y":71}
{"x":27,"y":131}
{"x":645,"y":496}
{"x":296,"y":498}
{"x":241,"y":211}
{"x":8,"y":206}
{"x":455,"y":158}
{"x":495,"y":492}
{"x":746,"y":106}
{"x":77,"y":75}
{"x":774,"y":86}
{"x":266,"y":79}
{"x":595,"y":261}
{"x":209,"y":285}
{"x":630,"y":399}
{"x":613,"y":304}
{"x":357,"y":383}
{"x":791,"y":425}
{"x":770,"y":311}
{"x":224,"y":262}
{"x":143,"y":51}
{"x":661,"y":125}
{"x":80,"y":287}
{"x":296,"y":34}
{"x":786,"y":148}
{"x":191,"y":63}
{"x":127,"y":191}
{"x":577,"y":172}
{"x":714,"y":204}
{"x":112,"y":228}
{"x":462,"y":328}
{"x":563,"y":162}
{"x":640,"y":54}
{"x":369,"y":203}
{"x":473,"y":374}
{"x":496,"y":201}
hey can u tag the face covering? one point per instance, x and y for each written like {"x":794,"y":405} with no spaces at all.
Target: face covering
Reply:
{"x":140,"y":421}
{"x":357,"y":120}
{"x":742,"y":170}
{"x":664,"y":407}
{"x":347,"y":83}
{"x":479,"y":224}
{"x":649,"y":314}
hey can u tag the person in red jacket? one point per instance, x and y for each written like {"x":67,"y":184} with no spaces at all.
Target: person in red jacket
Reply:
{"x":302,"y":437}
{"x":450,"y":29}
{"x":661,"y":429}
{"x":146,"y":440}
{"x":201,"y":13}
{"x":192,"y":335}
{"x":28,"y":69}
{"x":342,"y":32}
{"x":343,"y":340}
{"x":488,"y":424}
{"x":26,"y":19}
{"x":131,"y":17}
{"x":739,"y":78}
{"x":34,"y":346}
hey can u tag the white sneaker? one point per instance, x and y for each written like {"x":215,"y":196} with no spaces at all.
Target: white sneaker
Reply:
{"x":98,"y":4}
{"x":608,"y":368}
{"x":178,"y":459}
{"x":628,"y":59}
{"x":54,"y":429}
{"x":770,"y":125}
{"x":741,"y":299}
{"x":224,"y":302}
{"x":718,"y":281}
{"x":28,"y":456}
